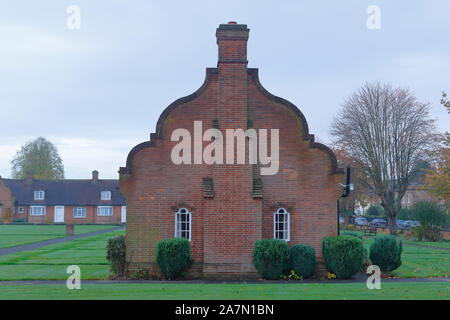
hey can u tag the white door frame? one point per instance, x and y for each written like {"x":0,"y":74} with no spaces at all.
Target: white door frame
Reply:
{"x":55,"y":216}
{"x":123,"y":217}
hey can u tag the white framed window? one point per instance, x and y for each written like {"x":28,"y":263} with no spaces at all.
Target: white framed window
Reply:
{"x":20,"y":210}
{"x":104,"y":211}
{"x":37,"y":211}
{"x":281,"y":225}
{"x":79,"y":212}
{"x":183,"y":224}
{"x":39,"y":195}
{"x":105,"y":195}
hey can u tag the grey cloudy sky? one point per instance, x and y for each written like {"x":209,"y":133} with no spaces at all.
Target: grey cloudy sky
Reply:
{"x":98,"y":91}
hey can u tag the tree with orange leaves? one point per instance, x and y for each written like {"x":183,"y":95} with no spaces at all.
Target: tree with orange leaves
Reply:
{"x":437,"y":180}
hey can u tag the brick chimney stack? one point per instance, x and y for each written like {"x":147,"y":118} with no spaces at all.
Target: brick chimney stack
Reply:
{"x":94,"y":176}
{"x":232,"y":182}
{"x":232,"y":42}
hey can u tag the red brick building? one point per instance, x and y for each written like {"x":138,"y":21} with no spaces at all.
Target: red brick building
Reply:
{"x":224,"y":208}
{"x":90,"y":201}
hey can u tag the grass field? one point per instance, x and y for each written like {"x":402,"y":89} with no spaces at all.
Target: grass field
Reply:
{"x":421,"y":262}
{"x":403,"y":290}
{"x":438,"y":244}
{"x":15,"y":235}
{"x":50,"y":262}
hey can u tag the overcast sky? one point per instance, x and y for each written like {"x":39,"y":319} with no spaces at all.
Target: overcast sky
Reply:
{"x":98,"y":91}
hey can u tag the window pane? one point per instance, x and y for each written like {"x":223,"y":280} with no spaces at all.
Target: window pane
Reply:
{"x":182,"y":223}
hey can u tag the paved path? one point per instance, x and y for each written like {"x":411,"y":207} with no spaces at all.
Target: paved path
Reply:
{"x":358,"y":280}
{"x":36,"y":245}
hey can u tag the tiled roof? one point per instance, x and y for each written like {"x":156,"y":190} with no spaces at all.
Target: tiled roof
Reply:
{"x":65,"y":192}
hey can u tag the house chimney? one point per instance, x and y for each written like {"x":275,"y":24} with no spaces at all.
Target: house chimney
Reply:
{"x":232,"y":41}
{"x":232,"y":75}
{"x":94,"y":176}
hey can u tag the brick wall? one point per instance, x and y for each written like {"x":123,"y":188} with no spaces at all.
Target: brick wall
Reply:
{"x":6,"y":203}
{"x":91,"y":216}
{"x":226,"y":227}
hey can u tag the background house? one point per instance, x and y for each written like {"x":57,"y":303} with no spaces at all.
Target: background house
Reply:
{"x":95,"y":200}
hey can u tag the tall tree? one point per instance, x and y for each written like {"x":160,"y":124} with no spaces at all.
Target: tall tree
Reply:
{"x":389,"y":134}
{"x":445,"y":102}
{"x":38,"y":158}
{"x":437,"y":179}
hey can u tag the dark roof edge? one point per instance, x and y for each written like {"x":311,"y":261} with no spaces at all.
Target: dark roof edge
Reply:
{"x":57,"y":180}
{"x":162,"y":118}
{"x":306,"y":136}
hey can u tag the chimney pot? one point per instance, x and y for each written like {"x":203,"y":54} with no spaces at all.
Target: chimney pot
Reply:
{"x":95,"y":176}
{"x":232,"y":42}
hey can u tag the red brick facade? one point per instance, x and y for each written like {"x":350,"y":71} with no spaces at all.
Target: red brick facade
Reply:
{"x":6,"y":203}
{"x":91,"y":216}
{"x":226,"y":225}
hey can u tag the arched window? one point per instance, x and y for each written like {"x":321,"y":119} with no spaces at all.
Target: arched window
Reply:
{"x":183,"y":224}
{"x":281,"y":225}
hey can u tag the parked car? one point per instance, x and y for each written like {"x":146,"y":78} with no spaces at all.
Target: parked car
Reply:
{"x":360,"y":221}
{"x":413,"y":223}
{"x":379,"y":223}
{"x":403,"y":225}
{"x":341,"y":220}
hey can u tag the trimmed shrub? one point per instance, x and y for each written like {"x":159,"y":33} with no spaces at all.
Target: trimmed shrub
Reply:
{"x":343,"y":255}
{"x":115,"y":253}
{"x":302,"y":259}
{"x":173,"y":257}
{"x":271,"y":258}
{"x":386,"y":252}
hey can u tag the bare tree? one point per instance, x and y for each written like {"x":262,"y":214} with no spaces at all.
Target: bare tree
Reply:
{"x":389,"y":134}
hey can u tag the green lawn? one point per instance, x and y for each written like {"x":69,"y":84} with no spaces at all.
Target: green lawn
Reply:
{"x":15,"y":235}
{"x":421,"y":262}
{"x":50,"y":262}
{"x":405,"y":290}
{"x":438,"y":244}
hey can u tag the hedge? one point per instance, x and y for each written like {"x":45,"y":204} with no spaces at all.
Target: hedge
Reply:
{"x":344,"y":255}
{"x":302,"y":259}
{"x":173,"y":257}
{"x":386,"y":252}
{"x":271,"y":258}
{"x":115,"y":253}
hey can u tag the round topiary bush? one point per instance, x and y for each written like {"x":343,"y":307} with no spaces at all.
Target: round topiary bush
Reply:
{"x":302,"y":259}
{"x":386,"y":252}
{"x":173,"y":257}
{"x":115,"y":253}
{"x":343,"y":255}
{"x":271,"y":258}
